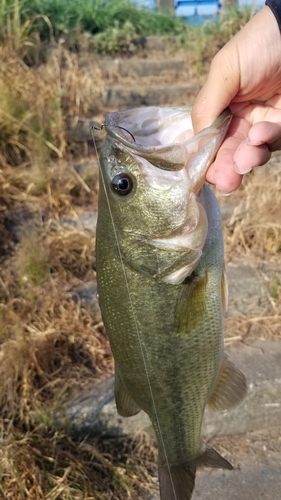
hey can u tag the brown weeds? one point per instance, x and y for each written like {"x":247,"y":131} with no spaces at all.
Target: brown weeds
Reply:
{"x":41,"y":105}
{"x":253,"y":235}
{"x":255,"y":226}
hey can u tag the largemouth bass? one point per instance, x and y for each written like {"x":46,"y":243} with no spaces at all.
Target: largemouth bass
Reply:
{"x":161,"y":283}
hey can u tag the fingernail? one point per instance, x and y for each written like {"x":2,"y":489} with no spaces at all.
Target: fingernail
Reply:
{"x":240,"y":172}
{"x":251,"y":143}
{"x":224,"y":194}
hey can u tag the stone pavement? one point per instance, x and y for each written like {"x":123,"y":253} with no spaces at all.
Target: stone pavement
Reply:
{"x":254,"y":481}
{"x":259,"y":481}
{"x":248,"y":436}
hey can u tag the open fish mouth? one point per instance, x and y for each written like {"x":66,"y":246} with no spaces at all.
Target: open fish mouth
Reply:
{"x":164,"y":136}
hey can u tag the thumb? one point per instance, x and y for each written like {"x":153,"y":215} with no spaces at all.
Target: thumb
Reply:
{"x":221,"y":86}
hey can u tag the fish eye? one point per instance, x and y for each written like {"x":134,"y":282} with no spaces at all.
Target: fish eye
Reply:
{"x":122,"y":184}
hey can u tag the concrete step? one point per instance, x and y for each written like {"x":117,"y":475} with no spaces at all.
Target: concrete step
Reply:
{"x":162,"y":43}
{"x":143,"y":68}
{"x":121,"y":97}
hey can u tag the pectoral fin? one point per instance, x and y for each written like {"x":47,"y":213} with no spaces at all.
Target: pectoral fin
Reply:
{"x":230,"y":390}
{"x":191,"y":306}
{"x":125,"y":404}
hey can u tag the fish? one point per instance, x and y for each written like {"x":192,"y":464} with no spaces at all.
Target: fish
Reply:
{"x":162,"y":285}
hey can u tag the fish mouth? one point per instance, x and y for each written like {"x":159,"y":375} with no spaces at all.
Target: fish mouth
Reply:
{"x":164,"y":136}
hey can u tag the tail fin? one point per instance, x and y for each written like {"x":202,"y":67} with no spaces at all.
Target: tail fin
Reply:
{"x":177,"y":481}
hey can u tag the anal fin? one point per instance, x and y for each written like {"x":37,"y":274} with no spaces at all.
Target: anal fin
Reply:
{"x":230,"y":389}
{"x":125,"y":404}
{"x":211,"y":458}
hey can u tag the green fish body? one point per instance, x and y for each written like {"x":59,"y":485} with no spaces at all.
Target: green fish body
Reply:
{"x":161,"y":283}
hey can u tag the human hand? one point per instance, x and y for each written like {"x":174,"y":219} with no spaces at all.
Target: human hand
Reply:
{"x":246,"y":76}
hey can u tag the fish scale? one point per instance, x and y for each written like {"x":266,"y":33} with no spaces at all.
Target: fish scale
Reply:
{"x":160,"y":273}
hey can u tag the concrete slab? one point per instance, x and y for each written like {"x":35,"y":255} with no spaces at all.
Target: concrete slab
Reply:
{"x":249,"y":288}
{"x":261,"y":364}
{"x":141,"y":68}
{"x":248,"y":482}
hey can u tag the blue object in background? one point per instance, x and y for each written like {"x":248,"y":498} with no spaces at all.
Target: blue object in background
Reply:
{"x":198,"y":11}
{"x":186,"y":8}
{"x":201,"y":4}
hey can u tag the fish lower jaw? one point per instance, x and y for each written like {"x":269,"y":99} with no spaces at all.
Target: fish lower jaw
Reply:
{"x":186,"y":240}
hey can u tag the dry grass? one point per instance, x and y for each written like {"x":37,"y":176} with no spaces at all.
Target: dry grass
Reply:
{"x":201,"y":43}
{"x":253,"y":235}
{"x":66,"y":470}
{"x":41,"y":105}
{"x":254,"y":230}
{"x":51,"y":348}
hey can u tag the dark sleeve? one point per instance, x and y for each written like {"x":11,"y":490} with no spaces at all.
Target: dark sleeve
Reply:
{"x":275,"y":6}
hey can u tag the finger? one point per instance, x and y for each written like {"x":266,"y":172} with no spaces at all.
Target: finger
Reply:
{"x":224,"y":185}
{"x":247,"y":157}
{"x":266,"y":133}
{"x":222,"y":172}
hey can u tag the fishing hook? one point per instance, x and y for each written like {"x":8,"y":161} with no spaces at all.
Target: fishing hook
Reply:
{"x":99,"y":128}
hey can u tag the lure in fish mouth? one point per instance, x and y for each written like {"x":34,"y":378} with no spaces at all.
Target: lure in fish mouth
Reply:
{"x":161,"y":281}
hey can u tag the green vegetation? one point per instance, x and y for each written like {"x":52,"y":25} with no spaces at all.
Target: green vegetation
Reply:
{"x":45,"y":19}
{"x":59,"y":17}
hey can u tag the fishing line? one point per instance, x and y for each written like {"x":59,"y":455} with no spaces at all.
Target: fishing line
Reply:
{"x":133,"y":312}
